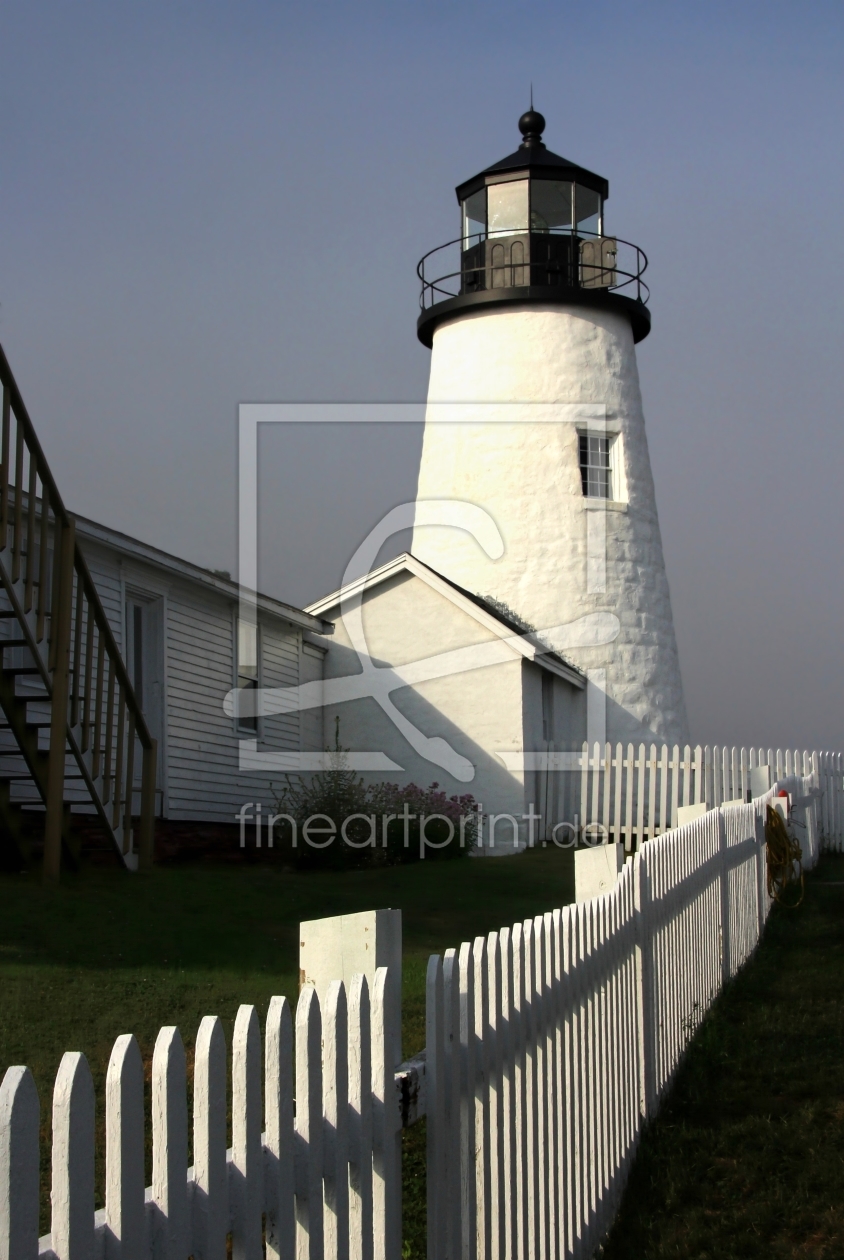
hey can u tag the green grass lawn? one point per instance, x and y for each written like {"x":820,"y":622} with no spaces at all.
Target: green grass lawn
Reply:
{"x":746,"y":1158}
{"x":106,"y":953}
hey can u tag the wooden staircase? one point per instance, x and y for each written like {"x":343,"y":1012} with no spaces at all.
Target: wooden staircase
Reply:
{"x":71,"y":730}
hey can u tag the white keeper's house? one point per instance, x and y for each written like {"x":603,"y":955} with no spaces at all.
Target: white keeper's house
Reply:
{"x":178,"y":629}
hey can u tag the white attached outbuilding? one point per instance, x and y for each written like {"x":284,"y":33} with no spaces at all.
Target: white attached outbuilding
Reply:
{"x":454,"y":690}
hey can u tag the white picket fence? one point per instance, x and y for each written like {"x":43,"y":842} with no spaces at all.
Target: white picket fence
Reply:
{"x":323,"y":1179}
{"x":551,"y":1042}
{"x":634,"y":793}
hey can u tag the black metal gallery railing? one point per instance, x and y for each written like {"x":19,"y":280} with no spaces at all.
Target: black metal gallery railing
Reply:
{"x":511,"y":260}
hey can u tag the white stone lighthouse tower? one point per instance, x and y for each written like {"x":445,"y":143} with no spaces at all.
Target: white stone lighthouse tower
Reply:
{"x":535,"y":414}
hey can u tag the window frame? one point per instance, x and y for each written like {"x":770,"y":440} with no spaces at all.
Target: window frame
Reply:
{"x":617,"y":480}
{"x":246,"y":728}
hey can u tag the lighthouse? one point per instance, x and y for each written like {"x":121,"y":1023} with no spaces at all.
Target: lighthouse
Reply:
{"x":534,"y":414}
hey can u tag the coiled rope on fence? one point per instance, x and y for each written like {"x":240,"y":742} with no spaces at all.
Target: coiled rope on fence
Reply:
{"x":784,"y":859}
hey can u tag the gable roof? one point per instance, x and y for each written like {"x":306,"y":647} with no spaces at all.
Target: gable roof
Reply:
{"x":523,"y":641}
{"x":91,"y":531}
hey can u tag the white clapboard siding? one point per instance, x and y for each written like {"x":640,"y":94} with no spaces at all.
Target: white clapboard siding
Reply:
{"x":200,"y":747}
{"x":308,"y":1183}
{"x":572,"y":1025}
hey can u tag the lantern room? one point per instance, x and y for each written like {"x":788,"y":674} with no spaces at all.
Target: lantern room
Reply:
{"x":532,"y":229}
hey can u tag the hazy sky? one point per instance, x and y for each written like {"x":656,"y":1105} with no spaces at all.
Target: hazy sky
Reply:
{"x":210,"y":203}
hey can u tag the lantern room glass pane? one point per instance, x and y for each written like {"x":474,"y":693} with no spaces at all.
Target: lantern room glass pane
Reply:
{"x":507,"y":206}
{"x":550,"y":205}
{"x":587,"y":205}
{"x":474,"y":219}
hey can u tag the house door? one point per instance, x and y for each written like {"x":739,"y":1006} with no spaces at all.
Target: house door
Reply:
{"x":145,"y":663}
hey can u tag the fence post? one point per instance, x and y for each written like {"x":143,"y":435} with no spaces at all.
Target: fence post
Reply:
{"x":19,"y":1122}
{"x":60,"y":652}
{"x":125,"y":1150}
{"x":72,"y":1191}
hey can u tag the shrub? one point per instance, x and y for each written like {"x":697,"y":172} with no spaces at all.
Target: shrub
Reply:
{"x":336,"y":821}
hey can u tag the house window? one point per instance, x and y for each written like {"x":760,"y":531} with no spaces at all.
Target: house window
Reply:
{"x":596,"y":471}
{"x":247,"y":670}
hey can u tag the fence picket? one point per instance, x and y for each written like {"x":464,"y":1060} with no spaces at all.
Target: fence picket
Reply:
{"x":618,"y":765}
{"x":279,"y":1137}
{"x":386,"y":1129}
{"x":519,"y":1086}
{"x":169,"y":1147}
{"x":451,"y":1110}
{"x":640,"y":794}
{"x":651,"y":791}
{"x":435,"y":1107}
{"x":19,"y":1124}
{"x":481,"y":1081}
{"x":72,"y":1192}
{"x":309,"y":1161}
{"x":210,"y":1207}
{"x":360,"y":1122}
{"x":246,"y":1175}
{"x":468,"y":1187}
{"x":124,"y":1131}
{"x":335,"y":1130}
{"x":497,"y":1189}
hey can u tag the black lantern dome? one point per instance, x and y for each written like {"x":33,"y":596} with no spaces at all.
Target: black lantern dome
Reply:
{"x":532,"y":230}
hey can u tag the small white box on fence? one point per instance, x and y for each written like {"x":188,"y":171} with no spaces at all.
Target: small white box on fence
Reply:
{"x":351,"y":944}
{"x":688,"y":813}
{"x":760,"y":780}
{"x":596,"y":870}
{"x":733,"y":804}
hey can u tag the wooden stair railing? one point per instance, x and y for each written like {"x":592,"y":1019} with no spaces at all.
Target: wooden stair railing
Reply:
{"x":94,"y":713}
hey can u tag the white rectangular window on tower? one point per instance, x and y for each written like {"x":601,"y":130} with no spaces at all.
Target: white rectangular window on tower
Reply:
{"x":596,"y":470}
